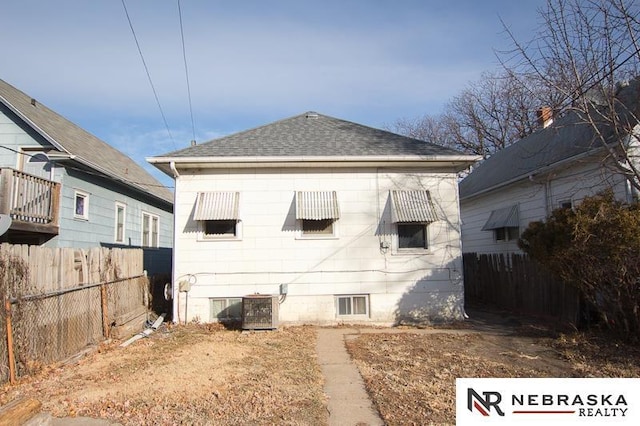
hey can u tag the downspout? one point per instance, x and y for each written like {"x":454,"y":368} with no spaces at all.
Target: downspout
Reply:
{"x":174,"y":287}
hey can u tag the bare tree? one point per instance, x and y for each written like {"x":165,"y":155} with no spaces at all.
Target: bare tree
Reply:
{"x":587,"y":52}
{"x":487,"y":116}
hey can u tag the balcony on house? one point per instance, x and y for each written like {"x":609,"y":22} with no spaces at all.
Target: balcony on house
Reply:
{"x":33,"y":205}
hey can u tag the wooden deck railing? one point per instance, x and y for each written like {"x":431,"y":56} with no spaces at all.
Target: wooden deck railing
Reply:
{"x":29,"y":199}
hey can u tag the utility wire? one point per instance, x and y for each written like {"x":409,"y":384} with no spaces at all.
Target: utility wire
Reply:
{"x":186,"y":72}
{"x":155,"y":94}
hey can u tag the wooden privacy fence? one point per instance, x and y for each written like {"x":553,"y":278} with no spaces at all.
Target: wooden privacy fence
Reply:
{"x":55,"y":302}
{"x":514,"y":282}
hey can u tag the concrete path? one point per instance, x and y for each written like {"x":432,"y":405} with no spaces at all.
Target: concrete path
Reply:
{"x":349,"y":404}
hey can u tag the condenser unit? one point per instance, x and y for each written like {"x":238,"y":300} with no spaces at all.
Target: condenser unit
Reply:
{"x":260,"y":312}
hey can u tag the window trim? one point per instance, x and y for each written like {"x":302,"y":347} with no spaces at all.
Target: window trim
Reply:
{"x":350,"y":297}
{"x":119,"y":205}
{"x":151,"y":233}
{"x":202,"y":236}
{"x":85,"y":208}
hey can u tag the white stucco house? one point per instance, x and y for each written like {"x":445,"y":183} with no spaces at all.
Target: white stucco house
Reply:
{"x":341,"y":222}
{"x":557,"y":166}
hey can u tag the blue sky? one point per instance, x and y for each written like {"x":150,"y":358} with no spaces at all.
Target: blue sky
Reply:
{"x":250,"y":62}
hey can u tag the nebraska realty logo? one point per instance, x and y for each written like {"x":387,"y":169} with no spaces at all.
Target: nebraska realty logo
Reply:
{"x":554,"y":401}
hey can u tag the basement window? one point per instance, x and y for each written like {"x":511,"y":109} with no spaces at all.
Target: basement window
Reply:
{"x":225,"y":309}
{"x":352,"y":305}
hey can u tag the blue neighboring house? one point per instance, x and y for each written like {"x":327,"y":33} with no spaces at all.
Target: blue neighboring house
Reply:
{"x":64,"y":187}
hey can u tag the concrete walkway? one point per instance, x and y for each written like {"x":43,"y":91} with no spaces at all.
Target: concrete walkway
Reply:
{"x":349,"y":404}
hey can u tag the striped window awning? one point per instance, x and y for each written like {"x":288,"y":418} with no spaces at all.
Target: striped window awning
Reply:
{"x":217,"y":206}
{"x":506,"y":217}
{"x":412,"y":206}
{"x":317,"y":205}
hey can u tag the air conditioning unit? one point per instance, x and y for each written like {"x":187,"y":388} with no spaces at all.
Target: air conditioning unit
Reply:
{"x":260,"y":312}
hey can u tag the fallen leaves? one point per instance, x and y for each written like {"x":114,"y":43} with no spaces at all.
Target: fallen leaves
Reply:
{"x":194,"y":374}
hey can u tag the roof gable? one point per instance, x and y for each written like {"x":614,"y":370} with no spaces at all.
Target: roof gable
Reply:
{"x":70,"y":138}
{"x":312,"y":134}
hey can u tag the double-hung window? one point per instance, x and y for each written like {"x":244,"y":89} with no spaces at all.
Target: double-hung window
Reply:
{"x":150,"y":230}
{"x":120,"y":226}
{"x":81,"y":205}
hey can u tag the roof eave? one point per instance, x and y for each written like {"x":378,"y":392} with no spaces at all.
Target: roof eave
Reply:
{"x":34,"y":126}
{"x":529,"y":175}
{"x":104,"y":173}
{"x":457,"y":162}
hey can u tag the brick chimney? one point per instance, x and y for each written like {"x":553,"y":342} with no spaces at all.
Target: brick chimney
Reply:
{"x":545,"y":116}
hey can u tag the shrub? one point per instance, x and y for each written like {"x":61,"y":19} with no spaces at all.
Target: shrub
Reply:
{"x":596,"y":248}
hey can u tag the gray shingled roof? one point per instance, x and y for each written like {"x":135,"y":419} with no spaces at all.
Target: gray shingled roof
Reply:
{"x":312,"y":134}
{"x":569,"y":136}
{"x":76,"y":141}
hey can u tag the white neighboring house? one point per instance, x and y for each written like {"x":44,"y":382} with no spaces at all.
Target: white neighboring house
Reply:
{"x":345,"y":223}
{"x":555,"y":167}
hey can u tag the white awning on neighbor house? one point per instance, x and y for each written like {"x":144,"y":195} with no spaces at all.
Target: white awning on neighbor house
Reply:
{"x":412,"y":206}
{"x":217,"y":206}
{"x":317,"y":205}
{"x":506,"y":217}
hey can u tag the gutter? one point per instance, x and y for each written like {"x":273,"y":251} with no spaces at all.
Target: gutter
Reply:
{"x":172,"y":165}
{"x":169,"y":165}
{"x":315,"y":159}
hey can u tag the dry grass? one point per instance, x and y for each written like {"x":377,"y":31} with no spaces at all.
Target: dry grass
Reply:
{"x":190,"y":375}
{"x":204,"y":374}
{"x":411,"y":377}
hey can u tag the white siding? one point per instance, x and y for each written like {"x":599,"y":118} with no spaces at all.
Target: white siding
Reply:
{"x":536,"y":198}
{"x":315,"y":270}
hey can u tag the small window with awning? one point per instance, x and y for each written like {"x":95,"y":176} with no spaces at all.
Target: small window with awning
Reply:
{"x":317,"y":212}
{"x":218,"y":213}
{"x":504,"y":223}
{"x":412,"y":212}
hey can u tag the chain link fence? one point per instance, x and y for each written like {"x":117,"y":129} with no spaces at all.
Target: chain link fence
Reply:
{"x":42,"y":326}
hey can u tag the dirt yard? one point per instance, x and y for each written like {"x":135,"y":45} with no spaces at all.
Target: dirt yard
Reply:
{"x":206,"y":375}
{"x":411,"y":376}
{"x":193,"y":375}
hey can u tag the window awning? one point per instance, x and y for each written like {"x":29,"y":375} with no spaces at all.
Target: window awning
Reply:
{"x":317,"y":205}
{"x":412,"y":206}
{"x":506,"y":217}
{"x":217,"y":206}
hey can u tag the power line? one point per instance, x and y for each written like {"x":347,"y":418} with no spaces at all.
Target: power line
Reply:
{"x":186,"y":72}
{"x":155,"y":94}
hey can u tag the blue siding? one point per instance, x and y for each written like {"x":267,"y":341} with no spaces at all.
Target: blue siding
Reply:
{"x":99,"y":228}
{"x":15,"y":137}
